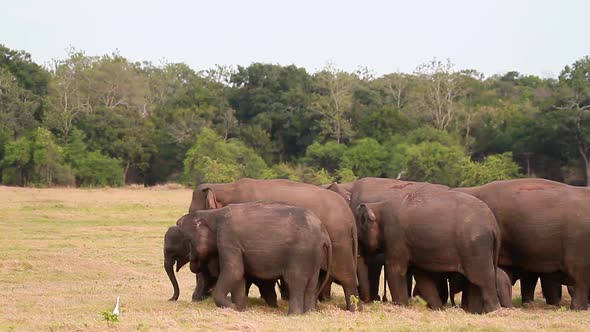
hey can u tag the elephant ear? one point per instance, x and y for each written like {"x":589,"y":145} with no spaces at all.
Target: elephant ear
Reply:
{"x":340,"y":190}
{"x":211,"y":200}
{"x":347,"y":196}
{"x":365,"y":214}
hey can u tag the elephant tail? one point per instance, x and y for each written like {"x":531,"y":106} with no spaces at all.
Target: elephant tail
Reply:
{"x":355,"y":251}
{"x":497,"y":244}
{"x":327,"y":247}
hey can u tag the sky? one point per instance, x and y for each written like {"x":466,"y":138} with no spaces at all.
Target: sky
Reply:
{"x":536,"y":37}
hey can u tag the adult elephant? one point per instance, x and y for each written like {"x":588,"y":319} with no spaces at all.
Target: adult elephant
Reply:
{"x":371,"y":190}
{"x":434,"y":231}
{"x":328,"y":206}
{"x":545,"y":229}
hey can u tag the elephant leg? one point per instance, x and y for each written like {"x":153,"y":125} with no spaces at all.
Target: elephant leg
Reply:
{"x":326,"y":292}
{"x":349,"y":292}
{"x":268,"y":293}
{"x":284,"y":289}
{"x":310,"y":296}
{"x":482,"y":273}
{"x":442,"y":285}
{"x":428,"y":288}
{"x":364,"y":277}
{"x":238,"y":294}
{"x":296,"y":293}
{"x":551,"y":287}
{"x":375,"y":265}
{"x":204,"y":284}
{"x":384,"y":297}
{"x":528,"y":282}
{"x":398,"y":283}
{"x":580,"y":298}
{"x":231,"y":277}
{"x":225,"y":284}
{"x":456,"y":285}
{"x":465,"y":297}
{"x":248,"y":285}
{"x":504,"y":288}
{"x":474,"y":303}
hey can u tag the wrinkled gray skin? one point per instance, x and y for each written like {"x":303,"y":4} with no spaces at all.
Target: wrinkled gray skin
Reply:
{"x":177,"y":251}
{"x":550,"y":285}
{"x":545,"y":229}
{"x":328,"y":206}
{"x":458,"y":283}
{"x":262,"y":240}
{"x":371,"y":190}
{"x":436,"y":231}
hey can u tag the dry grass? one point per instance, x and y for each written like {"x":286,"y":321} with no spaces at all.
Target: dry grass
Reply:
{"x":66,"y":254}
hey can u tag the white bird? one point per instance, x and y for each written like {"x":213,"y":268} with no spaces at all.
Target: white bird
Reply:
{"x":116,"y":310}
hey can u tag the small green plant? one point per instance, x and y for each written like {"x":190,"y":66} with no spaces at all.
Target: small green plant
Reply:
{"x":110,"y":317}
{"x":354,"y":300}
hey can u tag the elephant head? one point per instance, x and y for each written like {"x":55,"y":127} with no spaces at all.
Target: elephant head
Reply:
{"x":192,"y":240}
{"x":343,"y":190}
{"x":369,"y":230}
{"x":176,"y":250}
{"x":205,"y":198}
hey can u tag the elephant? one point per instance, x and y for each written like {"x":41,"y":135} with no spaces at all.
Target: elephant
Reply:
{"x":333,"y":212}
{"x":545,"y":229}
{"x":261,"y":240}
{"x":177,"y":250}
{"x":571,"y":291}
{"x":458,"y":283}
{"x":550,"y":285}
{"x":370,"y":190}
{"x":434,"y":231}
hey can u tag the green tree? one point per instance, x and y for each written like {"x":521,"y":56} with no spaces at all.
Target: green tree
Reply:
{"x":333,"y":100}
{"x":382,"y":123}
{"x":97,"y":170}
{"x":48,"y":160}
{"x":427,"y":161}
{"x":493,"y":167}
{"x":572,"y":113}
{"x":209,"y":150}
{"x":17,"y":163}
{"x":35,"y":159}
{"x":325,"y":156}
{"x":17,"y":106}
{"x":365,"y":157}
{"x":276,"y":99}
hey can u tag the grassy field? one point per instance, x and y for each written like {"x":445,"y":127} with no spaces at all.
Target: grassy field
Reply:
{"x":66,"y":254}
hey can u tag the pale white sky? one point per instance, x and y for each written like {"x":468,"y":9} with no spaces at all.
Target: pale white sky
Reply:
{"x":531,"y":36}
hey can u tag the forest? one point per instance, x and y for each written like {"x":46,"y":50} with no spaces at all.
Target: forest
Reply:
{"x":105,"y":120}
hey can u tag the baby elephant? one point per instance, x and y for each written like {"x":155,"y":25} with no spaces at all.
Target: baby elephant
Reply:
{"x":177,"y":251}
{"x":260,"y":240}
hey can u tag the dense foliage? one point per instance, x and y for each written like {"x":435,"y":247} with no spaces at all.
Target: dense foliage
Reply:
{"x":107,"y":121}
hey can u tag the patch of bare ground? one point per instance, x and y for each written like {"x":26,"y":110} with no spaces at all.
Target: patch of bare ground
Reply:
{"x":66,"y":254}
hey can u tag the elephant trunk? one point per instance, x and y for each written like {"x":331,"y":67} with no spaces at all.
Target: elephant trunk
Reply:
{"x":169,"y":267}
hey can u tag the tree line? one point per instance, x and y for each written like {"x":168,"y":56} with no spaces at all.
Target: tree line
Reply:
{"x":107,"y":121}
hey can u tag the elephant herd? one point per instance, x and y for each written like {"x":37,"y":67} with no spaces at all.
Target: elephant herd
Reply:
{"x":478,"y":241}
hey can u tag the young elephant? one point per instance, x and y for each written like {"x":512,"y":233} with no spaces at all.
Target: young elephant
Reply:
{"x":177,"y":250}
{"x":442,"y":231}
{"x":260,"y":240}
{"x":458,"y":283}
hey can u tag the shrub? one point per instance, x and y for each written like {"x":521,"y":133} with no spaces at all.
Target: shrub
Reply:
{"x":96,"y":170}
